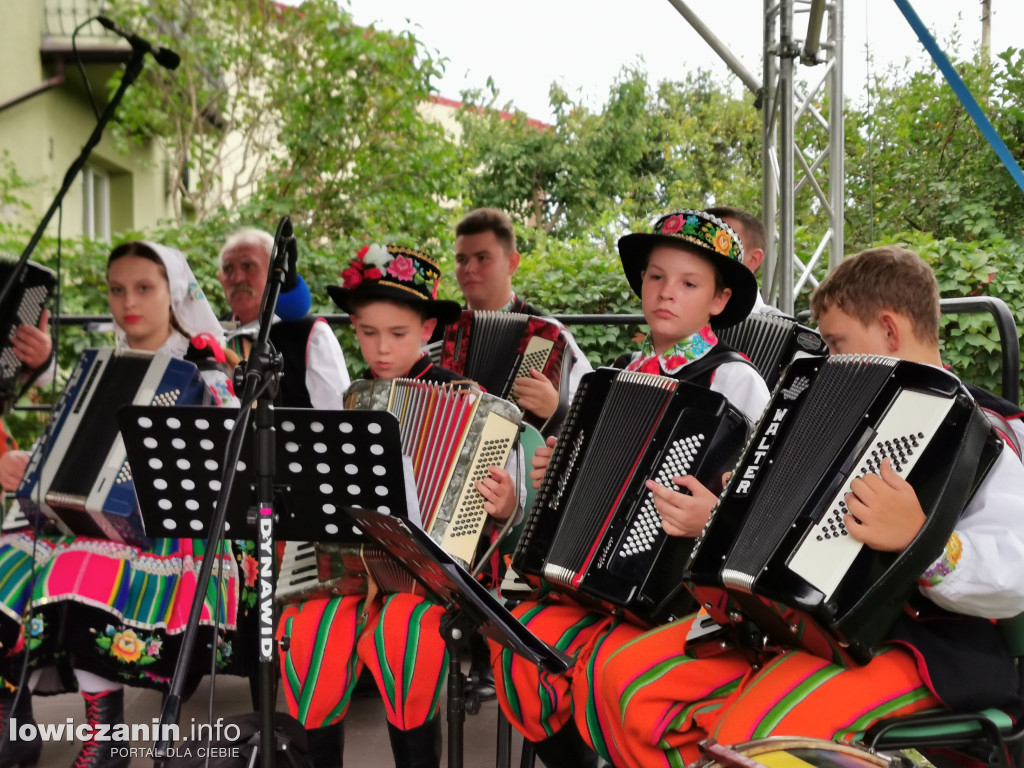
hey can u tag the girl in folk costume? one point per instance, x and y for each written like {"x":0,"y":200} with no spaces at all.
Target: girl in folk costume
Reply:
{"x":116,"y":612}
{"x":390,"y":294}
{"x":690,"y":276}
{"x":661,"y":701}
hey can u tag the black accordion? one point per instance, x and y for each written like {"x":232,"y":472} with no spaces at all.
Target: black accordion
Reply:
{"x":78,"y":474}
{"x":770,"y":342}
{"x":593,"y":530}
{"x":496,"y":348}
{"x":24,"y":306}
{"x":776,"y":553}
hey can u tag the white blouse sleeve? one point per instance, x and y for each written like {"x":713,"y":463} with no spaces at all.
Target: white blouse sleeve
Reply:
{"x":981,"y":571}
{"x":326,"y":373}
{"x":744,"y":387}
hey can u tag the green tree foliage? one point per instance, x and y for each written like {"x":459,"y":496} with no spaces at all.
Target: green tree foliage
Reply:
{"x":597,"y":174}
{"x":296,"y":111}
{"x":322,"y":120}
{"x":927,"y":167}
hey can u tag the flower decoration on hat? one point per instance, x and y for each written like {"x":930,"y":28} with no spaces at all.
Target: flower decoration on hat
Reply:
{"x":393,"y":265}
{"x":672,"y":224}
{"x":376,"y":255}
{"x":402,"y":268}
{"x":704,"y":230}
{"x":394,"y":273}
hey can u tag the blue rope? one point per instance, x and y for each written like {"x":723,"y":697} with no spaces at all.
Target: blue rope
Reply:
{"x":962,"y":92}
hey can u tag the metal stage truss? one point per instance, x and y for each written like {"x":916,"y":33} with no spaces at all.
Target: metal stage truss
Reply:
{"x":787,"y":169}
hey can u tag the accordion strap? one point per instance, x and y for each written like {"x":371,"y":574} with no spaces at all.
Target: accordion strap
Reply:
{"x":371,"y":584}
{"x":705,"y":365}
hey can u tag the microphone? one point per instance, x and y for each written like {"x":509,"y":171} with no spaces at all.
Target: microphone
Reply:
{"x":165,"y":57}
{"x":291,"y":277}
{"x":296,"y":303}
{"x":285,"y":255}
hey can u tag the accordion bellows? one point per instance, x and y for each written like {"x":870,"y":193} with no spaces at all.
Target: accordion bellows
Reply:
{"x":496,"y":348}
{"x":771,"y":342}
{"x":452,"y":434}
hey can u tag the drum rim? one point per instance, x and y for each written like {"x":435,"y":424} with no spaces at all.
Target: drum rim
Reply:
{"x":762,"y":746}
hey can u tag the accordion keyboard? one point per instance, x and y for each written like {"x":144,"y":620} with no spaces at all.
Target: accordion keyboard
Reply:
{"x":14,"y":519}
{"x":298,"y":572}
{"x":468,"y":517}
{"x":828,"y":551}
{"x":29,"y":310}
{"x":647,"y":524}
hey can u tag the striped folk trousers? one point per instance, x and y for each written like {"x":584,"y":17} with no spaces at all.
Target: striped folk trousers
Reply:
{"x":659,"y":703}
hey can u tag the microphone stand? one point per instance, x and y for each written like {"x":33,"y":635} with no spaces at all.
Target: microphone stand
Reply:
{"x":131,"y":73}
{"x":260,"y":373}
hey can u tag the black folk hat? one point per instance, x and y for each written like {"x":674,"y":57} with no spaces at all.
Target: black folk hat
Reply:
{"x":394,"y":273}
{"x":701,"y":233}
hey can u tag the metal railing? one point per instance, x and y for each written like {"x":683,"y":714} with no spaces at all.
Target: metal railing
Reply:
{"x":60,"y":17}
{"x":1006,"y":328}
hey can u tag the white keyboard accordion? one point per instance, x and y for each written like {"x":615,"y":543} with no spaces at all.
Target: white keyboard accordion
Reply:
{"x":452,"y":434}
{"x":776,"y":553}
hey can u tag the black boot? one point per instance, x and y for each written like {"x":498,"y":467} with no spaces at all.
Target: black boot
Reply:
{"x":107,"y":709}
{"x":418,"y":748}
{"x":13,"y":750}
{"x":326,"y":745}
{"x":481,"y":678}
{"x":566,"y":749}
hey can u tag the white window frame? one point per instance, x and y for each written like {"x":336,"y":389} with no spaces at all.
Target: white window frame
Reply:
{"x":96,"y":203}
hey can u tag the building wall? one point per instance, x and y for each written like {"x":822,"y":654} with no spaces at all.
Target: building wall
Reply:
{"x":44,"y":135}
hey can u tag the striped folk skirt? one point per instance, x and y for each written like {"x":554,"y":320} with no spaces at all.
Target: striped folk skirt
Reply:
{"x":116,"y":610}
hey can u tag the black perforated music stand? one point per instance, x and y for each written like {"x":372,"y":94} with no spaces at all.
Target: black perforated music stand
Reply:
{"x":468,"y":606}
{"x":325,"y":461}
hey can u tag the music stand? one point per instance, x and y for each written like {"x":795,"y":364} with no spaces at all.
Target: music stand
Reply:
{"x":176,"y":455}
{"x":468,"y":607}
{"x":326,"y":461}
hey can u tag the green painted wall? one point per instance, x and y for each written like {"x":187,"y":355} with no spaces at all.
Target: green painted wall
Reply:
{"x":43,"y":135}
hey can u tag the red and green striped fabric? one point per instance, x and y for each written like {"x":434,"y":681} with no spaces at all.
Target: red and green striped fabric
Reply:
{"x":403,"y":648}
{"x":320,"y":666}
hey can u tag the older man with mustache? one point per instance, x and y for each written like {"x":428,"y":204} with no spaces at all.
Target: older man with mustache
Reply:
{"x":315,"y":374}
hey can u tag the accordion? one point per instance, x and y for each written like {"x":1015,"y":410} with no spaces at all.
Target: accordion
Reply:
{"x":451,"y":435}
{"x":78,"y":474}
{"x":24,"y":307}
{"x":496,"y":348}
{"x":776,"y":553}
{"x":770,"y":342}
{"x":311,"y":570}
{"x":593,"y":530}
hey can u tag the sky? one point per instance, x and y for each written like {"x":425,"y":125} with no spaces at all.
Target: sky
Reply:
{"x":525,"y":45}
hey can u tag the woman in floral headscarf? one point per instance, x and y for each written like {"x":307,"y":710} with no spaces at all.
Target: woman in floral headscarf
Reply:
{"x":114,"y":611}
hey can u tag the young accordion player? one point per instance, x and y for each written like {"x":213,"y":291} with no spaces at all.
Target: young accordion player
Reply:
{"x":690,"y":276}
{"x":389,"y":292}
{"x":899,"y":476}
